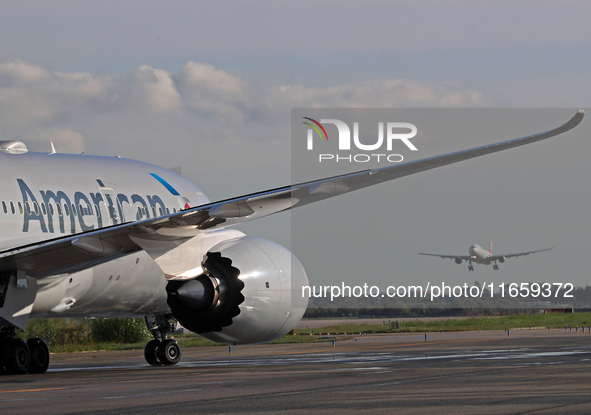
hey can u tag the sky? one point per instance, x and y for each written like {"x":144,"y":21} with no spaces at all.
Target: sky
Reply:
{"x":209,"y":86}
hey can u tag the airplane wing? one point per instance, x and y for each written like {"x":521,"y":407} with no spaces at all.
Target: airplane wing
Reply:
{"x":519,"y":254}
{"x":464,"y":257}
{"x":80,"y":251}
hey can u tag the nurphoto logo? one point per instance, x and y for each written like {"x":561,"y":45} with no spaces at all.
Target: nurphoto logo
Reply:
{"x":401,"y":131}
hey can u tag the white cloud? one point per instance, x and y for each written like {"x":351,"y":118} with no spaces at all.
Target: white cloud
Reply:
{"x":206,"y":76}
{"x":199,"y":101}
{"x":215,"y":92}
{"x":31,"y":95}
{"x":385,"y":93}
{"x":153,"y":90}
{"x":18,"y":71}
{"x":65,"y":140}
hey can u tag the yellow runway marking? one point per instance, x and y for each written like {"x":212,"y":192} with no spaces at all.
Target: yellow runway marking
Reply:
{"x":33,"y":390}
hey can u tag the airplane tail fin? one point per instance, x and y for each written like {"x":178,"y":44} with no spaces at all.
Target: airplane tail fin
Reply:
{"x":490,"y":250}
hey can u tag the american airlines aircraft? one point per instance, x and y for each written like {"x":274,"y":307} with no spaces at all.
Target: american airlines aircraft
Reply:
{"x":87,"y":236}
{"x":479,"y":255}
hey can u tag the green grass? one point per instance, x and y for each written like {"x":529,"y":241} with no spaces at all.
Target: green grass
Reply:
{"x":297,"y":339}
{"x":556,"y":320}
{"x":70,"y":348}
{"x":188,"y":340}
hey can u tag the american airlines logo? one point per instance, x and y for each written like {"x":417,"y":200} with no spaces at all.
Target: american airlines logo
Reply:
{"x":392,"y":133}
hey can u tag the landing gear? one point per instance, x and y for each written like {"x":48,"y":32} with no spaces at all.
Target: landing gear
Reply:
{"x":161,"y":351}
{"x":495,"y":267}
{"x":39,"y":355}
{"x":150,"y":352}
{"x":470,"y":267}
{"x":169,"y":352}
{"x":17,"y":356}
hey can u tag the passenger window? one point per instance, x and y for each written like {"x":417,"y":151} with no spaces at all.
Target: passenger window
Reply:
{"x":66,"y":210}
{"x":43,"y":208}
{"x":4,"y":207}
{"x":160,"y":210}
{"x":50,"y":208}
{"x":74,"y":213}
{"x":139,"y":212}
{"x":28,"y":208}
{"x":167,"y":211}
{"x":174,"y":210}
{"x":59,"y":209}
{"x":81,"y":210}
{"x":11,"y":207}
{"x":154,"y":211}
{"x":20,"y":208}
{"x":36,"y":208}
{"x":98,"y":212}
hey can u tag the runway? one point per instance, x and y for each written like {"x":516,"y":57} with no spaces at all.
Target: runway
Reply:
{"x":533,"y":372}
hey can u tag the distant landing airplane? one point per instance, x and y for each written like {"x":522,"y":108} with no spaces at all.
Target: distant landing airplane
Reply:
{"x":481,"y":256}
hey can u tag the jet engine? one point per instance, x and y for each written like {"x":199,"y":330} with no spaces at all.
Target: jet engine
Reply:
{"x":501,"y":259}
{"x":458,"y":260}
{"x":249,"y":293}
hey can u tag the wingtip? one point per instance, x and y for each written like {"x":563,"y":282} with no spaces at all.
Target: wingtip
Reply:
{"x":581,"y":112}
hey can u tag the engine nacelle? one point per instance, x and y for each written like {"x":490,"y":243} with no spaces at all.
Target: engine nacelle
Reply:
{"x":458,"y":260}
{"x":245,"y":296}
{"x":501,"y":259}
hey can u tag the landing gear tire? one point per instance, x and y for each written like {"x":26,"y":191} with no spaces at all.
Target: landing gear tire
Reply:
{"x":470,"y":268}
{"x":150,"y":353}
{"x":495,"y":267}
{"x":16,"y":356}
{"x":169,"y":352}
{"x":161,"y":351}
{"x":39,"y":355}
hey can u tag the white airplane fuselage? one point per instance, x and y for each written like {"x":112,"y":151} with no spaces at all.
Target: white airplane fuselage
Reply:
{"x":480,"y":255}
{"x":110,"y":191}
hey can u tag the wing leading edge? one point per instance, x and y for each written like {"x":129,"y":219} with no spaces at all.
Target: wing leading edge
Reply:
{"x":80,"y":251}
{"x":519,"y":254}
{"x":463,"y":257}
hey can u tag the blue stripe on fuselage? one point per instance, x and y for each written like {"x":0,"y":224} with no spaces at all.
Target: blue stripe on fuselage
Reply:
{"x":165,"y":184}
